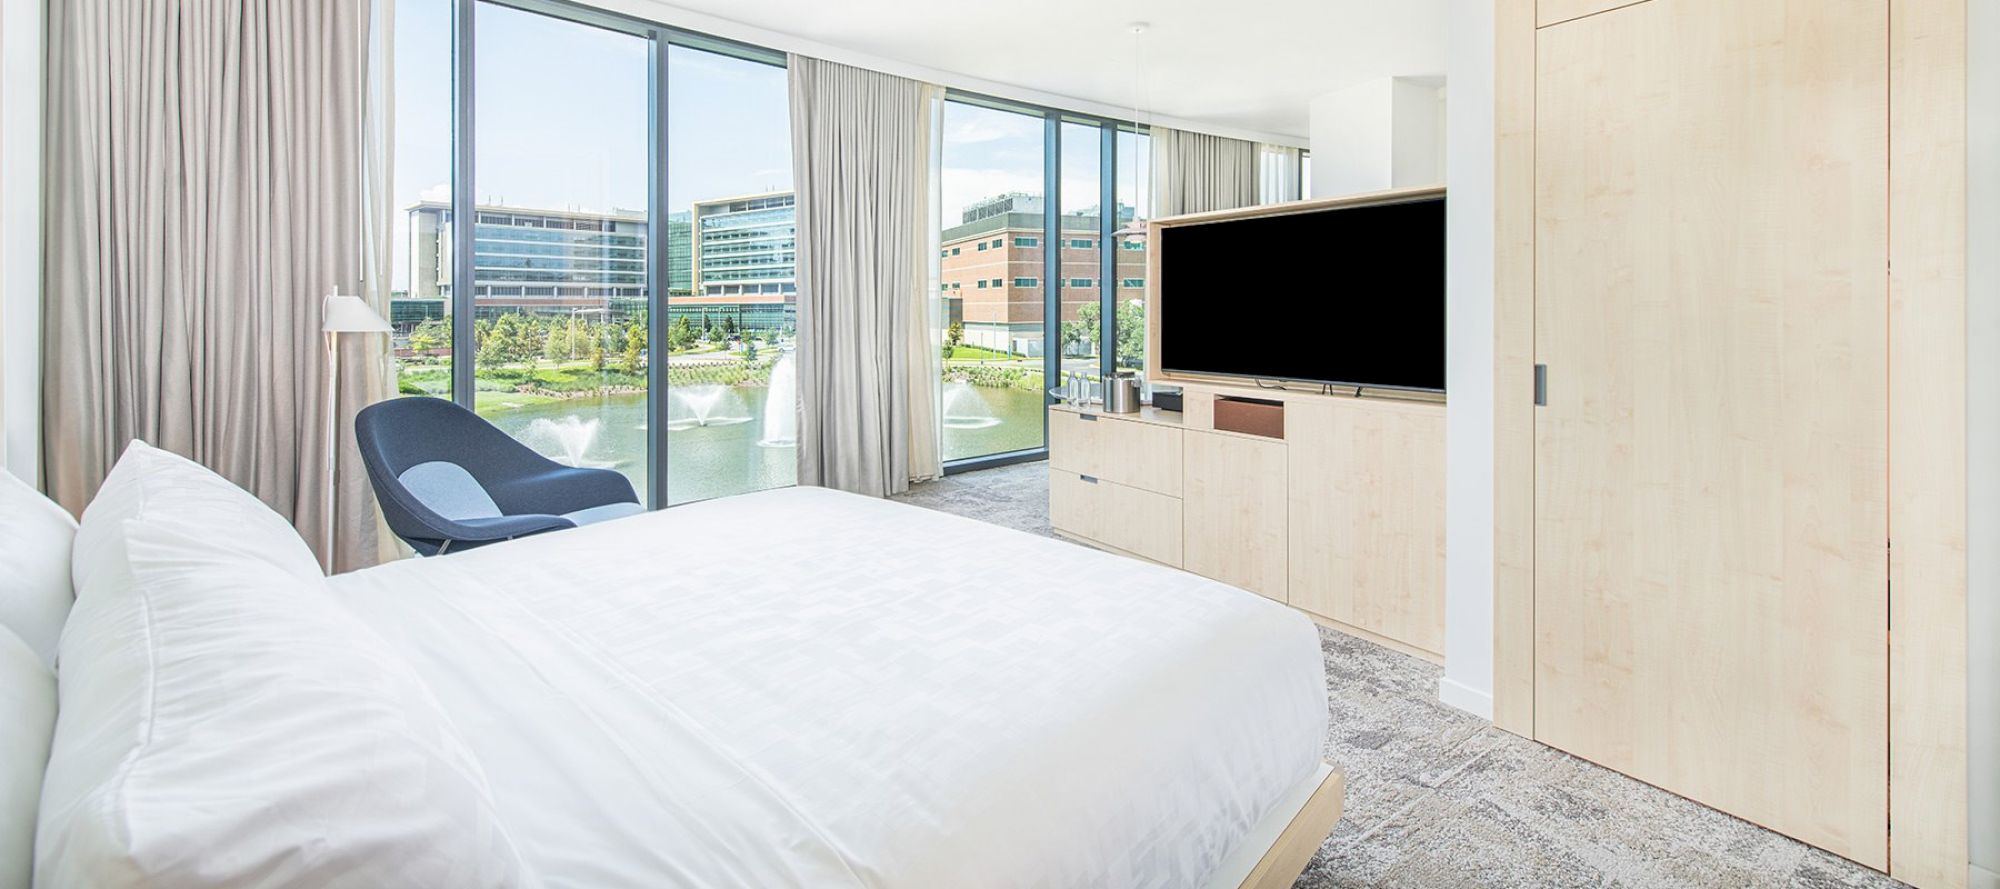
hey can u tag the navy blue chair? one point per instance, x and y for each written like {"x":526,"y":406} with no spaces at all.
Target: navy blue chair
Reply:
{"x":448,"y":480}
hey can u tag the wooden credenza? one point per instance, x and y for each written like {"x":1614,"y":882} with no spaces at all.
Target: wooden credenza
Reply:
{"x":1342,"y":517}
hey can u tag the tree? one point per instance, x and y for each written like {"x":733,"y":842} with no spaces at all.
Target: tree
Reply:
{"x":728,"y":326}
{"x":635,"y":346}
{"x":680,"y":336}
{"x":954,"y":336}
{"x":594,"y":344}
{"x":749,"y":350}
{"x":430,"y":336}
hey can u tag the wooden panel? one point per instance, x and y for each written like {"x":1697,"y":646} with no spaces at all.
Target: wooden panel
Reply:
{"x":1927,"y":457}
{"x":1513,"y":364}
{"x":1143,"y":523}
{"x":1234,"y":511}
{"x":1551,"y":12}
{"x":1367,"y":516}
{"x":1711,"y":468}
{"x":1142,"y":455}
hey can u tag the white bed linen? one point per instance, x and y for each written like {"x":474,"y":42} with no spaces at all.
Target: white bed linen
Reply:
{"x":808,"y":688}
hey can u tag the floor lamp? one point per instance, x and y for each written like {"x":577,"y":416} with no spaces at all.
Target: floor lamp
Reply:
{"x":343,"y":315}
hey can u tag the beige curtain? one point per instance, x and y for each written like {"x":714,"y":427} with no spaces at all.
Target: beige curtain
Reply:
{"x":861,"y":163}
{"x":206,"y":180}
{"x":1197,"y":172}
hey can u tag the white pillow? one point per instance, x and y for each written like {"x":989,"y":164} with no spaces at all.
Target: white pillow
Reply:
{"x":223,"y":724}
{"x":148,"y":483}
{"x":27,"y":719}
{"x":35,"y":539}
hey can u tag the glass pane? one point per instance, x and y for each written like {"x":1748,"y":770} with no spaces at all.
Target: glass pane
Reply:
{"x":991,"y":275}
{"x":420,"y":306}
{"x":559,"y":245}
{"x":1081,"y":252}
{"x":732,"y":294}
{"x":1135,"y":206}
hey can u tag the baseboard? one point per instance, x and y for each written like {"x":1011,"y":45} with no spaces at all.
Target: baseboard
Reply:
{"x":1980,"y":878}
{"x":1465,"y":697}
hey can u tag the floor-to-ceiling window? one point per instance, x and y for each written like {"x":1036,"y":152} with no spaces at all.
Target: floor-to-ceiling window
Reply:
{"x":732,"y":292}
{"x":613,"y":200}
{"x":600,"y":247}
{"x":1134,"y":174}
{"x":995,"y":281}
{"x":559,"y":285}
{"x":1081,"y":238}
{"x":420,"y":305}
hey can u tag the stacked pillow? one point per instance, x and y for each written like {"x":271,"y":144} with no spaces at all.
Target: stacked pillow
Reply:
{"x":35,"y":537}
{"x":223,"y":724}
{"x":34,"y":566}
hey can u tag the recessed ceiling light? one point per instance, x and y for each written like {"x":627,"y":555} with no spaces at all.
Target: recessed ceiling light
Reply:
{"x":1138,"y":27}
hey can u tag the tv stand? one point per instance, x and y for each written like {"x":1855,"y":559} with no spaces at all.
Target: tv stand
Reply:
{"x":1331,"y":503}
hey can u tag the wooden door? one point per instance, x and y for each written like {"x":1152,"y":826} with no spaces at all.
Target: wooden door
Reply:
{"x":1711,"y":463}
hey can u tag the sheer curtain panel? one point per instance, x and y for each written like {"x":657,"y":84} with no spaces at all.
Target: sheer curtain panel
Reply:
{"x":1197,"y":172}
{"x":206,"y":183}
{"x":861,"y":163}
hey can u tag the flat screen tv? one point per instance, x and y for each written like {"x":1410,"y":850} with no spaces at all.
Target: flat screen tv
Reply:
{"x":1349,"y":296}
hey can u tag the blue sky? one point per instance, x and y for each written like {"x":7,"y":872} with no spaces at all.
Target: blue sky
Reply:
{"x":562,"y":124}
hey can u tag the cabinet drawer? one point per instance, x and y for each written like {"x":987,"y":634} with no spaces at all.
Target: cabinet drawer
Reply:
{"x":1142,"y":523}
{"x":1128,"y":452}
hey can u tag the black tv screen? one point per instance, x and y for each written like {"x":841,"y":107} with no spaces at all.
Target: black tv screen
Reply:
{"x":1352,"y":296}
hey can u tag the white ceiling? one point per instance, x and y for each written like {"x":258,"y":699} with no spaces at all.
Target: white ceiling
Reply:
{"x":1240,"y":64}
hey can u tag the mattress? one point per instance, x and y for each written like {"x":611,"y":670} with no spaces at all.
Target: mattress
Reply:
{"x":808,"y":688}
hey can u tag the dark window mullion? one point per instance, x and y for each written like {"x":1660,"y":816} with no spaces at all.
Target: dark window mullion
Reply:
{"x":658,"y":462}
{"x":1051,"y":261}
{"x":1107,"y":249}
{"x":463,"y":384}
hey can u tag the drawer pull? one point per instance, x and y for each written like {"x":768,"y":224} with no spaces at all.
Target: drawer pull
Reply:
{"x":1087,"y":418}
{"x":1089,"y":479}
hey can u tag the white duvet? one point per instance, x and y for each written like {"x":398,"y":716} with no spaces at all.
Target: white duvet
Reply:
{"x":807,"y":688}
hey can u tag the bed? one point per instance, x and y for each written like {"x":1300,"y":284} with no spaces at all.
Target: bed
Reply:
{"x":808,"y":688}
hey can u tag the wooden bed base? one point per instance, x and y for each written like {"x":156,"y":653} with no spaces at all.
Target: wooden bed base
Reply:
{"x":1287,"y":858}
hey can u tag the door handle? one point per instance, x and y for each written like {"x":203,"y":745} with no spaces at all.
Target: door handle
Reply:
{"x":1541,"y":385}
{"x":1088,"y":479}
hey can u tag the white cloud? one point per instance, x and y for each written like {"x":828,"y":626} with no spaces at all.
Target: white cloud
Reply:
{"x":438,"y":192}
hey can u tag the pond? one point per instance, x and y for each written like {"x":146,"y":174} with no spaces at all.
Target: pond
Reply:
{"x":724,"y":440}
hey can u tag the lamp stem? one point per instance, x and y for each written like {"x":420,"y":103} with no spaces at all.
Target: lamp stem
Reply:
{"x":332,"y":455}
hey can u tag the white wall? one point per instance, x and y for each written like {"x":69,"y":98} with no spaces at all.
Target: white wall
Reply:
{"x":1983,"y":436}
{"x":20,"y":235}
{"x":1386,"y":133}
{"x":1468,"y":453}
{"x":1418,"y":112}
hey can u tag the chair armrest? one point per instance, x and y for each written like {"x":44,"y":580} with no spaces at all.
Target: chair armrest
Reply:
{"x":505,"y":527}
{"x":561,"y":490}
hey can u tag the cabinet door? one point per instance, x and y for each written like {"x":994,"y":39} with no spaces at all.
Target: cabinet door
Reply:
{"x":1710,"y":467}
{"x":1367,"y":516}
{"x":1233,"y":509}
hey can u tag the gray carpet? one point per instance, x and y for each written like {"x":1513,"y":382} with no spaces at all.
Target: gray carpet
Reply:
{"x":1437,"y":797}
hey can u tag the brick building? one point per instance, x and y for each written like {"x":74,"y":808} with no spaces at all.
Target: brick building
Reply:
{"x":992,"y":271}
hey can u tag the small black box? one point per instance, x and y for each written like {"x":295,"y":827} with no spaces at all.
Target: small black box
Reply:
{"x":1167,"y":399}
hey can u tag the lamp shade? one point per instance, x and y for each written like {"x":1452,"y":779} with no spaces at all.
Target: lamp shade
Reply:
{"x":348,"y":314}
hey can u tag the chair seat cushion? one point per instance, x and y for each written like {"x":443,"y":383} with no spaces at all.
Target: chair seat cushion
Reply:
{"x":449,"y":490}
{"x":604,"y":513}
